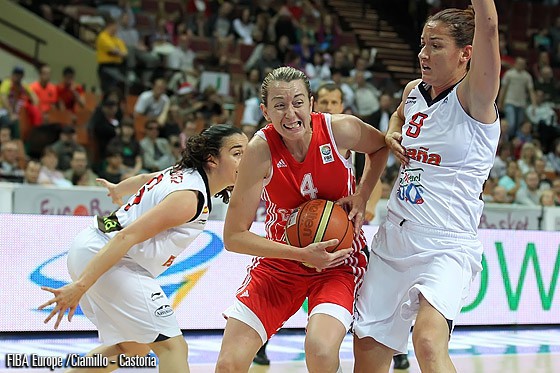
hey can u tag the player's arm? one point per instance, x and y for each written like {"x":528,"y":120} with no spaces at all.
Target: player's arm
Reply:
{"x":351,"y":133}
{"x":393,"y":137}
{"x":156,"y":220}
{"x":253,"y":169}
{"x":126,"y":187}
{"x":478,"y":92}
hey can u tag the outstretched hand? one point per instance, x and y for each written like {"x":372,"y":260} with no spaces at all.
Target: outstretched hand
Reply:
{"x":355,"y":206}
{"x":319,"y":258}
{"x":112,"y":191}
{"x":66,"y":298}
{"x":393,"y":141}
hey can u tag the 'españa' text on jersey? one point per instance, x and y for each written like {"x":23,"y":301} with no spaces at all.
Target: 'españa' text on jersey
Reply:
{"x":450,"y":155}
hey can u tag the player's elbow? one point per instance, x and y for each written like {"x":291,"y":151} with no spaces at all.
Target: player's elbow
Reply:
{"x":230,"y":241}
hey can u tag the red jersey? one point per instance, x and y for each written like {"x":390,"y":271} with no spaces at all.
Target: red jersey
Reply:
{"x":66,"y":95}
{"x":324,"y":173}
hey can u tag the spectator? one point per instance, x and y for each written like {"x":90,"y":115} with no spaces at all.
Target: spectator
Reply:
{"x":500,"y":162}
{"x":507,"y":60}
{"x":156,"y":151}
{"x":361,"y":66}
{"x":221,"y":25}
{"x":318,"y":71}
{"x":32,"y":170}
{"x":65,"y":147}
{"x":556,"y":189}
{"x":115,"y":171}
{"x":181,"y":62}
{"x":69,"y":92}
{"x":79,"y":172}
{"x":284,"y":50}
{"x":543,"y":116}
{"x":542,"y":172}
{"x":512,"y":180}
{"x":138,"y":53}
{"x":49,"y":175}
{"x":257,"y":53}
{"x":14,"y":96}
{"x":341,"y":63}
{"x":5,"y":136}
{"x":243,"y":27}
{"x":366,"y":97}
{"x":553,"y":157}
{"x":250,"y":87}
{"x":111,"y":53}
{"x":131,"y":151}
{"x":542,"y":40}
{"x":154,"y":104}
{"x":103,"y":124}
{"x":9,"y":165}
{"x":528,"y":157}
{"x":543,"y":61}
{"x":528,"y":194}
{"x":524,"y":134}
{"x":185,"y":100}
{"x":516,"y":88}
{"x":500,"y":195}
{"x":252,"y":116}
{"x":45,"y":91}
{"x":305,"y":49}
{"x":547,"y":198}
{"x":328,"y":34}
{"x":548,"y":85}
{"x":337,"y":78}
{"x":189,"y":129}
{"x":268,"y":61}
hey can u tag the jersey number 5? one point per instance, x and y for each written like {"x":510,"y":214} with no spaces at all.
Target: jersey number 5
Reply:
{"x":416,"y":124}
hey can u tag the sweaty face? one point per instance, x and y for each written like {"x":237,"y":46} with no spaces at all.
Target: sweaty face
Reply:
{"x":288,"y":108}
{"x":329,"y":102}
{"x":441,"y":61}
{"x":231,"y":152}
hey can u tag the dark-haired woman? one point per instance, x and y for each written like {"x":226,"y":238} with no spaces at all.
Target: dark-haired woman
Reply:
{"x":425,"y":255}
{"x":114,"y":263}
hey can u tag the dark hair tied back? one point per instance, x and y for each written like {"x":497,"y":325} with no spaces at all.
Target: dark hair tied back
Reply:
{"x":201,"y":147}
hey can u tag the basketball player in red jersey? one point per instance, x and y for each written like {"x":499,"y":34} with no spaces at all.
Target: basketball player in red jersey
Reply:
{"x":297,"y":157}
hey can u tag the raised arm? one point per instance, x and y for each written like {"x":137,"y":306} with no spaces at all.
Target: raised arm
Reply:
{"x":482,"y":83}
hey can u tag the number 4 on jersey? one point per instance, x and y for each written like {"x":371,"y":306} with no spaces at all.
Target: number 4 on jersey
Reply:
{"x":307,"y":188}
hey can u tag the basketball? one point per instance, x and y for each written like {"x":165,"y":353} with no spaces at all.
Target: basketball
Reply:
{"x":319,"y":220}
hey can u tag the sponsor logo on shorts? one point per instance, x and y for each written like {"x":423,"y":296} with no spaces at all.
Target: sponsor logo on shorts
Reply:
{"x":164,"y":311}
{"x":156,"y":296}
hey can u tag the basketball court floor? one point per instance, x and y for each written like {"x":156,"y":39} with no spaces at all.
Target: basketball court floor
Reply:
{"x":490,"y":350}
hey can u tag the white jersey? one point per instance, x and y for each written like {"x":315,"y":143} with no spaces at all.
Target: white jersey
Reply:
{"x":156,"y":254}
{"x":451,"y":155}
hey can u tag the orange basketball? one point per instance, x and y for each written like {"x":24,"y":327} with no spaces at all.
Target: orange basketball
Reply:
{"x":319,"y":220}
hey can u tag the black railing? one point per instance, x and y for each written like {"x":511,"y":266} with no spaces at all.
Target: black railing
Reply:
{"x":38,"y":40}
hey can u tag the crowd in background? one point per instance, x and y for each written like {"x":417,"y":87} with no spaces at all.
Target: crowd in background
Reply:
{"x":157,"y":62}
